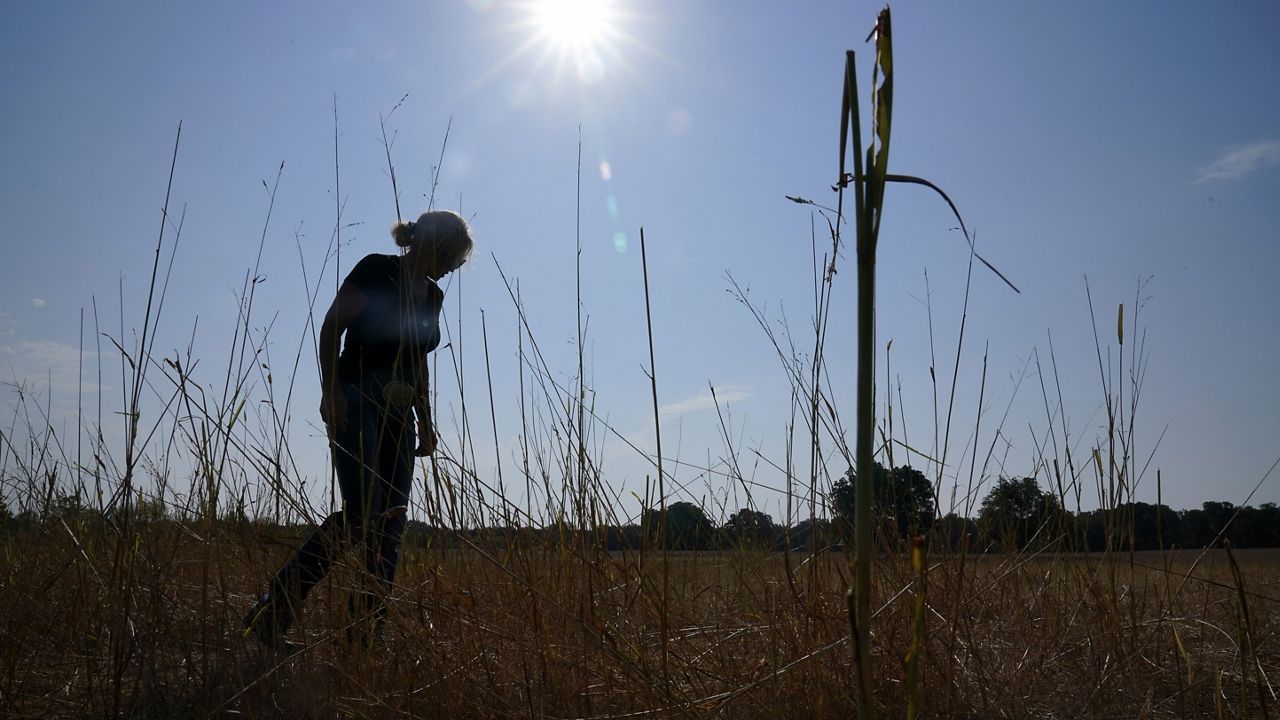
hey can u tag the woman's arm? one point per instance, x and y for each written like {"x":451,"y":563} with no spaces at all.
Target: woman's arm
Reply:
{"x":422,"y":408}
{"x":346,"y":306}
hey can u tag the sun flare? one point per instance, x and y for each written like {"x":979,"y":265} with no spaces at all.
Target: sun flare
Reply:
{"x":577,"y":32}
{"x":572,"y":23}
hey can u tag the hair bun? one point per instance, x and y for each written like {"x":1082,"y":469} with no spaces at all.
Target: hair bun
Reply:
{"x":403,"y":233}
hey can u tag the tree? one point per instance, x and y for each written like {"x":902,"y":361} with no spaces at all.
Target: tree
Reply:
{"x":1258,"y":527}
{"x":901,"y":500}
{"x":955,"y":531}
{"x":1015,"y":510}
{"x":818,"y":532}
{"x":688,"y":527}
{"x":1145,"y":525}
{"x":750,"y":528}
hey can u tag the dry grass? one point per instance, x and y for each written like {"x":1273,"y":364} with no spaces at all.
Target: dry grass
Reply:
{"x":546,"y":632}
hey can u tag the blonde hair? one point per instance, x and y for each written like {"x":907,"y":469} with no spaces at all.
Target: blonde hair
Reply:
{"x":442,"y":233}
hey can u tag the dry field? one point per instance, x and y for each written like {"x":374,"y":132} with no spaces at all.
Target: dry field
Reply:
{"x":572,"y":631}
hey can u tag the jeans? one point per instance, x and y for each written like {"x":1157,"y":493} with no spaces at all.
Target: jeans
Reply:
{"x":373,"y":458}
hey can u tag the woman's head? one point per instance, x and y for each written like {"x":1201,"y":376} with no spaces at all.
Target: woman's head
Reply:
{"x":437,"y":243}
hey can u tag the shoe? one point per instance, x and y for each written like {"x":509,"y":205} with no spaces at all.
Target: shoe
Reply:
{"x":268,"y":623}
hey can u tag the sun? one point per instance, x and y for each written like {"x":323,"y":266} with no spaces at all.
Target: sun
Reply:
{"x":572,"y":24}
{"x":577,"y":32}
{"x":588,"y":41}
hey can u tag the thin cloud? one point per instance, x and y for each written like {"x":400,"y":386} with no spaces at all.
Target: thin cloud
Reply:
{"x":1241,"y":160}
{"x":704,"y":401}
{"x":45,"y":365}
{"x":38,"y":303}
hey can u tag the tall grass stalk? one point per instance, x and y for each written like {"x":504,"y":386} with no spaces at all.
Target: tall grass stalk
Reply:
{"x":664,"y":598}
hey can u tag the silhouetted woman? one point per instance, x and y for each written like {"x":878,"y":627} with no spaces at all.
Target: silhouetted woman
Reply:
{"x":389,"y":309}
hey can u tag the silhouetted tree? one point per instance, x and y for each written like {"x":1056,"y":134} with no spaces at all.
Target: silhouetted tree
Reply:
{"x":1143,"y":524}
{"x":1258,"y":527}
{"x":1200,"y":526}
{"x":749,"y":527}
{"x":901,"y":501}
{"x":1015,"y":510}
{"x":952,"y":529}
{"x":809,"y":533}
{"x":626,"y":537}
{"x":688,"y":527}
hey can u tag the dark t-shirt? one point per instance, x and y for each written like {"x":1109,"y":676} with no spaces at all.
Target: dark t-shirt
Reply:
{"x":396,"y":329}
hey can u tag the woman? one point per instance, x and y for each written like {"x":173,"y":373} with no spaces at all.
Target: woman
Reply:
{"x":389,"y":309}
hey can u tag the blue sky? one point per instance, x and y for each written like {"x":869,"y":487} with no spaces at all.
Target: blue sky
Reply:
{"x":1117,"y":142}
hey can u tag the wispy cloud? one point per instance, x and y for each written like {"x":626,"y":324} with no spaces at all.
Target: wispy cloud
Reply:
{"x":45,"y":365}
{"x":704,"y":401}
{"x":41,"y":391}
{"x":38,"y":303}
{"x":1241,"y":160}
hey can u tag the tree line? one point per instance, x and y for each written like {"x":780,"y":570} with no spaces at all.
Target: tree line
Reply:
{"x":1015,"y":514}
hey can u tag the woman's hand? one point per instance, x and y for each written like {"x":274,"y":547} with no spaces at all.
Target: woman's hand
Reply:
{"x":333,"y":410}
{"x":427,"y":439}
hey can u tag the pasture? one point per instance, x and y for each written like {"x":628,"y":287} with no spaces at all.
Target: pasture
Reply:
{"x":570,"y":630}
